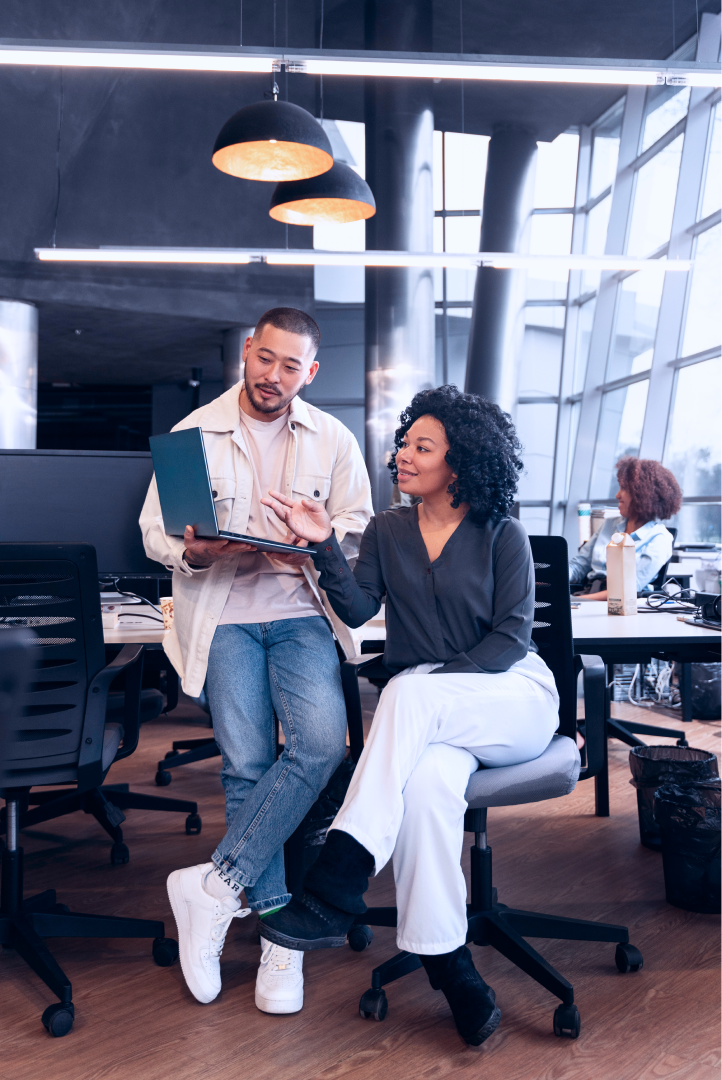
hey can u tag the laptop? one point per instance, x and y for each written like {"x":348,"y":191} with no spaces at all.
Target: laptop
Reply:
{"x":186,"y":496}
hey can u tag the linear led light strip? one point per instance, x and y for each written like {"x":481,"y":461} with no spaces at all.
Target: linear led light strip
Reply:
{"x":555,"y":70}
{"x":306,"y":257}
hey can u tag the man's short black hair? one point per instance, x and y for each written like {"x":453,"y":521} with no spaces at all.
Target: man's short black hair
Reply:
{"x":293,"y":321}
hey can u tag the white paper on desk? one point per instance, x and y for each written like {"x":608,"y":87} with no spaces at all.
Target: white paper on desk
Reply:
{"x":621,"y":575}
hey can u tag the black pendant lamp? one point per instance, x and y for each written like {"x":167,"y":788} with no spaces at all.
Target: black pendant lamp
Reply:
{"x":272,"y":140}
{"x":339,"y":195}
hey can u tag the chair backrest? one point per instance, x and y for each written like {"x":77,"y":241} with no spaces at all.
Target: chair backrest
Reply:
{"x":661,"y":576}
{"x":552,"y":630}
{"x":52,"y":589}
{"x":16,"y":664}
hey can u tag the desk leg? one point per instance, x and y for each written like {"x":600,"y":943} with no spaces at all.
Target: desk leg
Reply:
{"x":685,"y":691}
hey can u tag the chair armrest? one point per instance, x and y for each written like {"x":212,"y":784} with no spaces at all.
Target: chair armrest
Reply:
{"x":90,"y":757}
{"x":350,"y":671}
{"x":595,"y":712}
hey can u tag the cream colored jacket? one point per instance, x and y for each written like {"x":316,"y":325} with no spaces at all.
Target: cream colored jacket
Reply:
{"x":324,"y":463}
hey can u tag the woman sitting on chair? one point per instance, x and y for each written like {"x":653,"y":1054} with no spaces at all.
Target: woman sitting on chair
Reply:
{"x":468,"y":687}
{"x":647,"y":494}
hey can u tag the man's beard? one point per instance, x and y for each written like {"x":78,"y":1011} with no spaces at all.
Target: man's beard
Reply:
{"x":277,"y":404}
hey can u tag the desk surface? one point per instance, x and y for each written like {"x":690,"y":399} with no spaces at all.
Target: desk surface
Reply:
{"x":150,"y":634}
{"x":590,"y":622}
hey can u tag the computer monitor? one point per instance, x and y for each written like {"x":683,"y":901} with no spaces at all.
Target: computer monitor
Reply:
{"x":92,"y":496}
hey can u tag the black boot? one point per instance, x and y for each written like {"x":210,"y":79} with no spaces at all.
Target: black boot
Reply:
{"x":472,"y":1001}
{"x":321,"y":917}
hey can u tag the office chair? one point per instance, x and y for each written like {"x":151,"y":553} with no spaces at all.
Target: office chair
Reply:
{"x":54,"y":745}
{"x":42,"y":586}
{"x":550,"y":776}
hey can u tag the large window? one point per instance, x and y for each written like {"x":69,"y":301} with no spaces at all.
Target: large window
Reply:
{"x":641,"y":351}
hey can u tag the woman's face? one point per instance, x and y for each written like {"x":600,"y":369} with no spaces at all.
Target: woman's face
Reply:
{"x":624,"y":501}
{"x":421,"y":462}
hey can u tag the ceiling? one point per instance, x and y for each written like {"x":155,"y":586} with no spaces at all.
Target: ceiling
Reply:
{"x":134,"y":160}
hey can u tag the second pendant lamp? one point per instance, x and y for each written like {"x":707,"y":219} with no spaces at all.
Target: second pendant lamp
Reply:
{"x":339,"y":195}
{"x":272,"y":140}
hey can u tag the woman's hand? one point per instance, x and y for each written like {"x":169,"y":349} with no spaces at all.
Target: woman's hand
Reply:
{"x":306,"y":519}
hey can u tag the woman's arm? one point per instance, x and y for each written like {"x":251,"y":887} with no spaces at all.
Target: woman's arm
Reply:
{"x":581,"y":563}
{"x":510,"y":635}
{"x":354,"y":596}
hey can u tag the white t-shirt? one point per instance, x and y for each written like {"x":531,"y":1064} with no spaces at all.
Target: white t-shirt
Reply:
{"x":266,"y":589}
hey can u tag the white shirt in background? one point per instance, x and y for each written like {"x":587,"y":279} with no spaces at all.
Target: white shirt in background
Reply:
{"x":266,"y":589}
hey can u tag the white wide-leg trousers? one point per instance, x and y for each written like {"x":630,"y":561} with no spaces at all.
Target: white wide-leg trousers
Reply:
{"x":406,"y":798}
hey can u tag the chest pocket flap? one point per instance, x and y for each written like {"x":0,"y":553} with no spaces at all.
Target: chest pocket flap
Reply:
{"x":317,"y":488}
{"x":223,"y":488}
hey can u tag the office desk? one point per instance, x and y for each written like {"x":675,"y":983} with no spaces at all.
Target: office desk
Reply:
{"x":151,"y":636}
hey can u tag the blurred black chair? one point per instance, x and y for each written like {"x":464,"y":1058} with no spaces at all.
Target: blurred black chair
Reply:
{"x":552,"y":775}
{"x":74,"y":743}
{"x":39,"y":589}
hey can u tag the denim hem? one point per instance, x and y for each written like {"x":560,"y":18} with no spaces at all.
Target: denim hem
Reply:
{"x":267,"y":905}
{"x":222,"y":863}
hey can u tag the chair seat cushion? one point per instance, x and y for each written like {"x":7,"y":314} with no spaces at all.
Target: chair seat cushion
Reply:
{"x":112,"y":737}
{"x":553,"y":774}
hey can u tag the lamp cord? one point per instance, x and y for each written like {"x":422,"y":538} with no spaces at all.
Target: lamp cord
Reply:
{"x":57,"y":158}
{"x":241,"y":26}
{"x":461,"y":49}
{"x":320,"y":45}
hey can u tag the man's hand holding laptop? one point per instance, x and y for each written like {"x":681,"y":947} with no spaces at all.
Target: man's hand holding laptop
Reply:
{"x":201,"y":553}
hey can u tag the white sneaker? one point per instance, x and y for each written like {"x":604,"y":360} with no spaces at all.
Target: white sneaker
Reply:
{"x":202,"y":923}
{"x":279,"y":983}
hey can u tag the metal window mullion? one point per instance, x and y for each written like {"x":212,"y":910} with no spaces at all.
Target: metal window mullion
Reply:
{"x":604,"y":313}
{"x":672,"y":307}
{"x":564,"y":412}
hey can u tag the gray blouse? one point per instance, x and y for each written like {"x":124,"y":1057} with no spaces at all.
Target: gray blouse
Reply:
{"x":472,"y":608}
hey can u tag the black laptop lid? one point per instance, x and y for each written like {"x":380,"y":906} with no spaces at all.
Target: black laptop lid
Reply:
{"x":184,"y":488}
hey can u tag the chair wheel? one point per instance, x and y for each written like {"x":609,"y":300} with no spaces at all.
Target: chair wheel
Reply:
{"x":682,"y":742}
{"x":628,"y":958}
{"x":567,"y":1021}
{"x":193,"y":824}
{"x":172,"y":753}
{"x":373,"y":1005}
{"x":165,"y":951}
{"x":58,"y":1019}
{"x":119,"y":854}
{"x":360,"y":937}
{"x":163,"y":778}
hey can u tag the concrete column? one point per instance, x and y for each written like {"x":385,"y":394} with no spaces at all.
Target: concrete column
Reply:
{"x":233,"y":342}
{"x":499,"y":294}
{"x":18,"y":375}
{"x":399,"y":310}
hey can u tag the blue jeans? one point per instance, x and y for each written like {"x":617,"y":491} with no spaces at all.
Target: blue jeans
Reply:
{"x":288,"y":667}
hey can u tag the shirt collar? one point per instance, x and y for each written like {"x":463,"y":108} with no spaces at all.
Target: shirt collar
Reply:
{"x":648,"y":530}
{"x":222,"y":414}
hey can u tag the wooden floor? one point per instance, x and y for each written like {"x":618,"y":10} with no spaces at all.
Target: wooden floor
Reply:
{"x":136,"y":1021}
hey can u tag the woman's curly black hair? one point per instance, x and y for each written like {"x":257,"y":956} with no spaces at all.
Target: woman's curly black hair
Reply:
{"x":483,"y":449}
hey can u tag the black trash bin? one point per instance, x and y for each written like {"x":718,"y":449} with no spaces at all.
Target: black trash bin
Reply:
{"x":653,"y":766}
{"x":689,"y":821}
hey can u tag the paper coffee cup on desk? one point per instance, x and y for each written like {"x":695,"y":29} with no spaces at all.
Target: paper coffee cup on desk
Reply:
{"x":621,"y":575}
{"x":166,"y":606}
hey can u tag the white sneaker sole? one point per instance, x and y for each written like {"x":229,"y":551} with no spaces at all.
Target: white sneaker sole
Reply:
{"x":182,"y":921}
{"x":268,"y":1005}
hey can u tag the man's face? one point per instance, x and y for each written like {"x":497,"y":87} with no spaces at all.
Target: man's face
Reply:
{"x":278,"y":364}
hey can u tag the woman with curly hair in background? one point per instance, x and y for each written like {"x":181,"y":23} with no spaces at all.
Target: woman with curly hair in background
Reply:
{"x":468,"y":687}
{"x":648,"y":494}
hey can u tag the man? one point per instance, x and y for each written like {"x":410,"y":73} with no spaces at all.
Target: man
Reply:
{"x":257,"y":630}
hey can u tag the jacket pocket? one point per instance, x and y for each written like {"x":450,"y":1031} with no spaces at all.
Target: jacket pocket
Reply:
{"x":317,"y":488}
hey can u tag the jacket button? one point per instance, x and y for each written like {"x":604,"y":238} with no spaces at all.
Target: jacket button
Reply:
{"x":316,"y":494}
{"x":293,"y":427}
{"x":340,"y":569}
{"x":214,"y":494}
{"x":328,"y":548}
{"x":429,"y":570}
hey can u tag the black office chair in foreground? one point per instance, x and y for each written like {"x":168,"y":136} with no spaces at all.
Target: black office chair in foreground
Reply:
{"x":552,"y":775}
{"x":72,"y":744}
{"x":38,"y":589}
